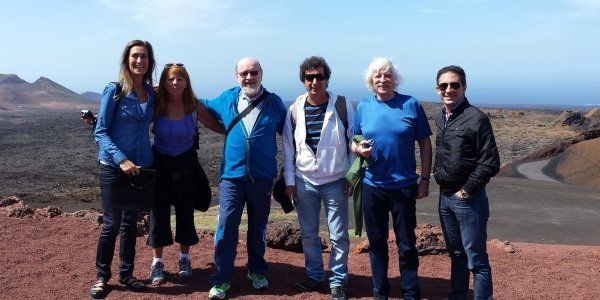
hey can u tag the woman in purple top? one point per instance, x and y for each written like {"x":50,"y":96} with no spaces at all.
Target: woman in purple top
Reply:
{"x":176,"y":160}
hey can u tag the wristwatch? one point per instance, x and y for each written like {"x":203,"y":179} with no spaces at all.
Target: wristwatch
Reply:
{"x":425,"y":178}
{"x":464,"y":193}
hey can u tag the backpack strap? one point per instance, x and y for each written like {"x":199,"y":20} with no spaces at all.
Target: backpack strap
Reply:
{"x":118,"y":90}
{"x":342,"y":111}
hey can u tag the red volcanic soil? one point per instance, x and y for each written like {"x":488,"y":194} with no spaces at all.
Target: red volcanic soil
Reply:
{"x":54,"y":259}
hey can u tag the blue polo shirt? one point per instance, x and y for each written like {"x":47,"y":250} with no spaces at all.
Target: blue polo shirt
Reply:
{"x":394,"y":126}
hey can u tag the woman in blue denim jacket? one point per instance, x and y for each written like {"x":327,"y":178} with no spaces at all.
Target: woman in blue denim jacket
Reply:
{"x":123,"y":137}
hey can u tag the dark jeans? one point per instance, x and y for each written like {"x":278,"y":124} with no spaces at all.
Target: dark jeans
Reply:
{"x":115,"y":221}
{"x":377,"y":203}
{"x":464,"y":222}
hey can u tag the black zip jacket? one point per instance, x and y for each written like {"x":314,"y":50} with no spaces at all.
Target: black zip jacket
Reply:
{"x":466,"y":155}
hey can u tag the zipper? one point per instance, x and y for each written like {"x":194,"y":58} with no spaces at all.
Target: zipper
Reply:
{"x":265,"y":102}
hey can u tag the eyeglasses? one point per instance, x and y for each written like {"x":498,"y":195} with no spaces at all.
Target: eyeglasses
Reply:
{"x":179,"y":65}
{"x":312,"y":77}
{"x":453,"y":85}
{"x":245,"y":73}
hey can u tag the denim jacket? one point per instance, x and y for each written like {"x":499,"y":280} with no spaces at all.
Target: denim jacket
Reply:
{"x":122,"y":128}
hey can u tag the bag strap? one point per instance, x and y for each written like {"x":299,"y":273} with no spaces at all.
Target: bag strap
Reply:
{"x":118,"y":90}
{"x":342,"y":111}
{"x":246,"y":111}
{"x":196,"y":132}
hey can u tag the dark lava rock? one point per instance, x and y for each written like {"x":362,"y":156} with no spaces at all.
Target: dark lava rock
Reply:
{"x":430,"y":240}
{"x":10,"y":200}
{"x":21,"y":212}
{"x":48,"y":212}
{"x":285,"y":236}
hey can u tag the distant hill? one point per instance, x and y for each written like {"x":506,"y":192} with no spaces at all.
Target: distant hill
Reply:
{"x":92,"y":96}
{"x":17,"y":94}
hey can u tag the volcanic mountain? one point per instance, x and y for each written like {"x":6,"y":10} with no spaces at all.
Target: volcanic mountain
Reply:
{"x":17,"y":94}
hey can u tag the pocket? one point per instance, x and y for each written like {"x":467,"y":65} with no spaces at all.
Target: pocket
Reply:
{"x":129,"y":112}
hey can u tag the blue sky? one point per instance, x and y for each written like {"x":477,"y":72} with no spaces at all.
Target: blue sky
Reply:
{"x":528,"y":52}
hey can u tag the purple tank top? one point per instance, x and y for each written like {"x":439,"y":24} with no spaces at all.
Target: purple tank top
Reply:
{"x":173,"y":137}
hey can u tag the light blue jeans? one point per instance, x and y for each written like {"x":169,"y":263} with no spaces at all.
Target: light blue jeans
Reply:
{"x":308,"y":207}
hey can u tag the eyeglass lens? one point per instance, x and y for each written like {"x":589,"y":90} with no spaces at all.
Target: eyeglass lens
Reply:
{"x":453,"y":85}
{"x":311,"y":77}
{"x":245,"y":73}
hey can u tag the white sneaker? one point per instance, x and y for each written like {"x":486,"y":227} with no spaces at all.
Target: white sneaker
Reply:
{"x":218,"y":291}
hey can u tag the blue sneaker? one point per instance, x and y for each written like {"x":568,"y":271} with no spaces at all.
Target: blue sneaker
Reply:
{"x":185,"y":268}
{"x":157,"y":273}
{"x":259,"y":282}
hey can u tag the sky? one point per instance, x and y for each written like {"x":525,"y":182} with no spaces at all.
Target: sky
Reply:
{"x":514,"y":52}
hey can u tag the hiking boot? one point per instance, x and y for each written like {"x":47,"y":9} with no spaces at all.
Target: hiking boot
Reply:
{"x":185,"y":268}
{"x":157,"y":273}
{"x":308,"y":285}
{"x":338,"y":292}
{"x":218,"y":291}
{"x":259,"y":282}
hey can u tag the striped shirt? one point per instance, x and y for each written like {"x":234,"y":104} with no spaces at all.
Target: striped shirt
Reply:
{"x":314,"y":115}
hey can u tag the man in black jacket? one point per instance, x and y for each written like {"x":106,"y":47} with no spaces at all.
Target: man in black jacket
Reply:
{"x":466,"y":157}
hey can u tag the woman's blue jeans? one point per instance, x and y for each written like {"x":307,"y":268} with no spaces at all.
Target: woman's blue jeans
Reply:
{"x":115,"y":221}
{"x":464,"y":222}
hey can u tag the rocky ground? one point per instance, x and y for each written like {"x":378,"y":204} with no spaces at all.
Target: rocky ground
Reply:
{"x":50,"y":160}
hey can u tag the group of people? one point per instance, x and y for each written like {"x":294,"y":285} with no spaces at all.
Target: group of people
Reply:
{"x":322,"y":136}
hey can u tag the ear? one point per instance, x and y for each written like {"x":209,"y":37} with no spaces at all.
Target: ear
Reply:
{"x":437,"y":90}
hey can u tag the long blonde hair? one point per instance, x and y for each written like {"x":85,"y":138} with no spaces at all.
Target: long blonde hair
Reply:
{"x":188,"y":97}
{"x":125,"y":75}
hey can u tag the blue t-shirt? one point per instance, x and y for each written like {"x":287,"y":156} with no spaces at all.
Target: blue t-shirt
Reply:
{"x":394,"y":126}
{"x":173,"y":137}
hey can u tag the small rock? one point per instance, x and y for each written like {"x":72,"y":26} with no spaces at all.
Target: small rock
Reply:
{"x":20,"y":212}
{"x":430,"y":240}
{"x":506,"y":246}
{"x":48,"y":212}
{"x":10,"y":200}
{"x":283,"y":235}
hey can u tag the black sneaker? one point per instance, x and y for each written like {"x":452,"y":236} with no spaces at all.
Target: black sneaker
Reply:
{"x":307,"y":285}
{"x":338,"y":292}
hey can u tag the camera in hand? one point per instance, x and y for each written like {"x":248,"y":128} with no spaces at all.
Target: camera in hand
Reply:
{"x":368,"y":144}
{"x":87,"y":115}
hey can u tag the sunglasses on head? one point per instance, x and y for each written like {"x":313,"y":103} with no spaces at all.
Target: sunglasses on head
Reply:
{"x":245,"y":73}
{"x":180,"y":65}
{"x":311,"y":77}
{"x":453,"y":85}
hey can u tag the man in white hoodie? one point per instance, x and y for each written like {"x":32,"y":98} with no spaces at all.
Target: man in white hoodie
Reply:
{"x":316,"y":135}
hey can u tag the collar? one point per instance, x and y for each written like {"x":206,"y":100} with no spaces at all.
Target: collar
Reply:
{"x":456,"y":110}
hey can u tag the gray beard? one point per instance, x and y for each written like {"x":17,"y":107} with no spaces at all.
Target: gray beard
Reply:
{"x":251,"y":91}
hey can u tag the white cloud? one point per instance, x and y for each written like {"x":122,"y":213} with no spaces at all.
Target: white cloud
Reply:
{"x":167,"y":17}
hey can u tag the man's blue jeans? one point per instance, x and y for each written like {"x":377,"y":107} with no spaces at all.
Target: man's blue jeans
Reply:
{"x":115,"y":221}
{"x":377,"y":204}
{"x":335,"y":201}
{"x":234,"y":193}
{"x":464,"y":222}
